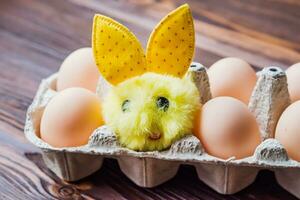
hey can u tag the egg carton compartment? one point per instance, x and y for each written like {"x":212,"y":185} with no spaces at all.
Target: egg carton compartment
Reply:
{"x":148,"y":169}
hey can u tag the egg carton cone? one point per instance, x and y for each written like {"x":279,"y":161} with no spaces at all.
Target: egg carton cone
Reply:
{"x":149,"y":169}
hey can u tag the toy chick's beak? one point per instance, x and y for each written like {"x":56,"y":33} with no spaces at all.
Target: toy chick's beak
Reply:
{"x":155,"y":136}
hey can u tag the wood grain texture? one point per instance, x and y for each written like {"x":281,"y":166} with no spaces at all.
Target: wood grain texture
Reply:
{"x":35,"y":37}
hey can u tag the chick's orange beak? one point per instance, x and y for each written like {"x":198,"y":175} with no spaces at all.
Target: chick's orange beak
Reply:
{"x":155,"y":136}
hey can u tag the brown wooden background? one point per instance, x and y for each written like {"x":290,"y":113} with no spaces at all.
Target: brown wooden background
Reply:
{"x":36,"y":35}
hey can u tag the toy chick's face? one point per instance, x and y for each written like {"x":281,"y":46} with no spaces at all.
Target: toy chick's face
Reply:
{"x":151,"y":111}
{"x":150,"y":105}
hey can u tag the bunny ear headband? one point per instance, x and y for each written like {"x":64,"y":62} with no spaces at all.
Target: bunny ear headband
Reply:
{"x":120,"y":56}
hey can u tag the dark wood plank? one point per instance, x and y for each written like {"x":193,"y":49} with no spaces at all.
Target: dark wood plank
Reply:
{"x":36,"y":35}
{"x":218,"y":32}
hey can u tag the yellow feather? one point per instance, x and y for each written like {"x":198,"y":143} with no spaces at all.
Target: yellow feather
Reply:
{"x":136,"y":110}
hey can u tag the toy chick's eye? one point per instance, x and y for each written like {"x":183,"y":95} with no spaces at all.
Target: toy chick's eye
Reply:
{"x":162,"y":103}
{"x":125,"y":105}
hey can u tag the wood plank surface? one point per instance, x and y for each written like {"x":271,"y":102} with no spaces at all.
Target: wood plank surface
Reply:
{"x":35,"y":37}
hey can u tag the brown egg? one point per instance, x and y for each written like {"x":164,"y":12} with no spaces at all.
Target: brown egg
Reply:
{"x":232,"y":77}
{"x":293,"y":79}
{"x":227,"y":128}
{"x":288,"y":130}
{"x":78,"y":70}
{"x":70,"y":118}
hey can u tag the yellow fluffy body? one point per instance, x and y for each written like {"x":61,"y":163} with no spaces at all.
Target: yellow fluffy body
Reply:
{"x":143,"y":117}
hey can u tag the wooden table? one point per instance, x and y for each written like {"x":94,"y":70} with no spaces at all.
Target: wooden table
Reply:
{"x":35,"y":37}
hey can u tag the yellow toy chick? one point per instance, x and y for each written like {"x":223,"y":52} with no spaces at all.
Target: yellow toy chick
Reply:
{"x":150,"y":105}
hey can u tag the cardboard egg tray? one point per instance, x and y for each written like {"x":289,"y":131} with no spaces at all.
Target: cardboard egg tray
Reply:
{"x":148,"y":169}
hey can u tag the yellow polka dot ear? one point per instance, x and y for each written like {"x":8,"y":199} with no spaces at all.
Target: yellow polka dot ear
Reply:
{"x":171,"y":45}
{"x":118,"y":53}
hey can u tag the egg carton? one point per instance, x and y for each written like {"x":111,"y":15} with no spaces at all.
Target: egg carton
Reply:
{"x":149,"y":169}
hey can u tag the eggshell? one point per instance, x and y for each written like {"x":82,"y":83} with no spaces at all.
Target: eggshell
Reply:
{"x":288,"y":130}
{"x":232,"y":77}
{"x":78,"y":70}
{"x":227,"y":128}
{"x":293,"y":79}
{"x":70,"y":118}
